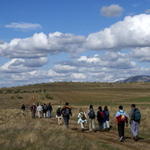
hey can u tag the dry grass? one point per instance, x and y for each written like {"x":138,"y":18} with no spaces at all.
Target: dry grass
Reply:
{"x":19,"y":132}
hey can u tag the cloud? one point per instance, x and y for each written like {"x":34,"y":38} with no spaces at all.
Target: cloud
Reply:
{"x":78,"y":76}
{"x":19,"y":65}
{"x":23,"y":25}
{"x":147,"y":11}
{"x":64,"y":67}
{"x":27,"y":56}
{"x":41,"y":44}
{"x":142,"y":54}
{"x":111,"y":11}
{"x":132,"y":32}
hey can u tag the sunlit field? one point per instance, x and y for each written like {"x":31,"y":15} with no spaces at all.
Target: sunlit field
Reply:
{"x":21,"y":132}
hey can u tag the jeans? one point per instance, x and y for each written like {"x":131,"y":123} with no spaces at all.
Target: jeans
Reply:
{"x":100,"y":125}
{"x":33,"y":114}
{"x":121,"y":127}
{"x":66,"y":121}
{"x":48,"y":114}
{"x":106,"y":125}
{"x":134,"y":128}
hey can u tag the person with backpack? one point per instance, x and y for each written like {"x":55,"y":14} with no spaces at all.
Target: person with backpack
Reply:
{"x":135,"y":118}
{"x":100,"y":117}
{"x":49,"y":110}
{"x":44,"y":110}
{"x":33,"y":110}
{"x":106,"y":125}
{"x":91,"y":116}
{"x":59,"y":115}
{"x":82,"y":119}
{"x":66,"y":113}
{"x":122,"y":119}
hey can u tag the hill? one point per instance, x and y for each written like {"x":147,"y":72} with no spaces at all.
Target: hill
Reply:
{"x":21,"y":132}
{"x":141,"y":78}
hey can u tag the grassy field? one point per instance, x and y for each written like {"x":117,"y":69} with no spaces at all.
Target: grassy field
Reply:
{"x":21,"y":132}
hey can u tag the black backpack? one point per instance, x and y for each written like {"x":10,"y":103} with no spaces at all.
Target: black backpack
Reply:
{"x":58,"y":112}
{"x":66,"y":112}
{"x":137,"y":115}
{"x":91,"y":114}
{"x":45,"y":107}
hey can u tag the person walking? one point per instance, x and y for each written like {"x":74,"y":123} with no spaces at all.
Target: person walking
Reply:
{"x":100,"y":117}
{"x":49,"y":110}
{"x":106,"y":124}
{"x":33,"y":110}
{"x":122,"y":119}
{"x":59,"y":115}
{"x":44,"y":110}
{"x":82,"y":119}
{"x":66,"y":113}
{"x":39,"y":111}
{"x":135,"y":118}
{"x":91,"y":116}
{"x":23,"y":108}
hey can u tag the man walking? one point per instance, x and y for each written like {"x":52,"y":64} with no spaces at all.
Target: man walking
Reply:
{"x":66,"y":113}
{"x":122,"y":119}
{"x":91,"y":116}
{"x":33,"y":110}
{"x":135,"y":118}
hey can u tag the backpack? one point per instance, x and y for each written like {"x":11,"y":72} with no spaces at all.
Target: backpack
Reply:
{"x":91,"y":114}
{"x":122,"y":118}
{"x":101,"y":114}
{"x":137,"y":115}
{"x":58,"y":112}
{"x":83,"y":117}
{"x":66,"y":112}
{"x":45,"y":107}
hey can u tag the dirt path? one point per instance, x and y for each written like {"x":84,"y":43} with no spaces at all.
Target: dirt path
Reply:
{"x":111,"y":138}
{"x":108,"y":138}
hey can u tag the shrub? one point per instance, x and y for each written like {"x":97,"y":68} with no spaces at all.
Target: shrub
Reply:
{"x":48,"y":96}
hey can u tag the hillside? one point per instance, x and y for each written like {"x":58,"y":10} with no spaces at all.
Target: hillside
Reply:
{"x":24,"y":133}
{"x":141,"y":78}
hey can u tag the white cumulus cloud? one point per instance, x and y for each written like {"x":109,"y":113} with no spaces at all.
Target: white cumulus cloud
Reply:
{"x":133,"y":31}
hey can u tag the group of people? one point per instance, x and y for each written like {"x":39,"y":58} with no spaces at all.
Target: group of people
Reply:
{"x":102,"y":116}
{"x":41,"y":110}
{"x":123,"y":118}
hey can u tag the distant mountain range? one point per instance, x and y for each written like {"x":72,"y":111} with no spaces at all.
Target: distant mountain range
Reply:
{"x":140,"y":78}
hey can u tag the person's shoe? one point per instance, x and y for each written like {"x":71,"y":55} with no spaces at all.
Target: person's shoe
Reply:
{"x":121,"y":139}
{"x":136,"y":138}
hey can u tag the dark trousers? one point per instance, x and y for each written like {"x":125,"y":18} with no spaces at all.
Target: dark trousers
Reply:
{"x":121,"y":127}
{"x":66,"y":121}
{"x":100,"y":123}
{"x":33,"y":114}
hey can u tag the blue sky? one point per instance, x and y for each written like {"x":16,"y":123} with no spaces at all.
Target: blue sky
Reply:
{"x":73,"y":40}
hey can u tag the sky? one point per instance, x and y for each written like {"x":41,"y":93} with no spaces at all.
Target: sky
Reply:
{"x":73,"y":40}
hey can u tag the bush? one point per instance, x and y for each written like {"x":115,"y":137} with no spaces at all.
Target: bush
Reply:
{"x":19,"y":97}
{"x":48,"y":96}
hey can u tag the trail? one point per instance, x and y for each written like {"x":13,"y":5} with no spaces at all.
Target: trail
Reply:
{"x":109,"y":138}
